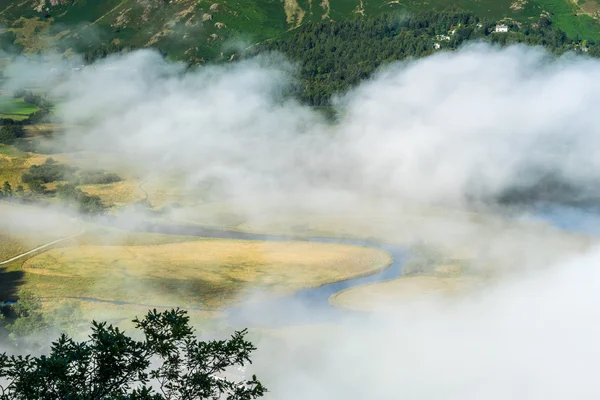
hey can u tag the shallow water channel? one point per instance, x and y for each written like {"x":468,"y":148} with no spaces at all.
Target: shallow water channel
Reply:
{"x":312,"y":305}
{"x":303,"y":306}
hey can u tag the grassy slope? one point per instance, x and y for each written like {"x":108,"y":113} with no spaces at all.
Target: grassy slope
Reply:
{"x":572,"y":19}
{"x":196,"y":30}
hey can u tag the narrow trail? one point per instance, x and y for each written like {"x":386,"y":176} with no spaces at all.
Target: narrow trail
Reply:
{"x":141,"y":187}
{"x":41,"y":247}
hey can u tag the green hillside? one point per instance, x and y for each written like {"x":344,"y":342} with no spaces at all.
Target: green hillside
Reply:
{"x":202,"y":30}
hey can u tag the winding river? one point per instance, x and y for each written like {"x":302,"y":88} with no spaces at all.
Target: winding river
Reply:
{"x":312,"y":304}
{"x":306,"y":305}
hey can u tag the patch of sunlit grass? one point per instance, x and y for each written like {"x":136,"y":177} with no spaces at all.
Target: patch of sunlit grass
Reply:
{"x":385,"y":295}
{"x":121,"y":315}
{"x":206,"y":273}
{"x":117,"y":193}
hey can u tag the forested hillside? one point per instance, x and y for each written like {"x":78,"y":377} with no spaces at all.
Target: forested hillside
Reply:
{"x":335,"y":56}
{"x":336,"y":43}
{"x":206,"y":30}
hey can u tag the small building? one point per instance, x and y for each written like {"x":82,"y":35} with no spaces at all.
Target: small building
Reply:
{"x":501,"y":28}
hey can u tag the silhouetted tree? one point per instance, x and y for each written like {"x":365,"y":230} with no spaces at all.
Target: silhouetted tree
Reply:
{"x":169,"y":363}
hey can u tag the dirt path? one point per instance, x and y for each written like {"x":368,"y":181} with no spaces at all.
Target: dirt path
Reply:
{"x":41,"y":247}
{"x":141,"y":187}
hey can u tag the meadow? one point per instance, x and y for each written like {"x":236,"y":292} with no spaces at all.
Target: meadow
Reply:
{"x":119,"y":274}
{"x":16,"y":109}
{"x":575,"y":18}
{"x":13,"y":163}
{"x":206,"y":274}
{"x":385,"y":296}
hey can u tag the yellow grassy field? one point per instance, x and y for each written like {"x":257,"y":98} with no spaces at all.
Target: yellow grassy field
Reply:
{"x":208,"y":273}
{"x":122,"y":315}
{"x":166,"y":190}
{"x":13,"y":163}
{"x":386,"y":295}
{"x":116,"y":194}
{"x":99,"y":235}
{"x":18,"y":238}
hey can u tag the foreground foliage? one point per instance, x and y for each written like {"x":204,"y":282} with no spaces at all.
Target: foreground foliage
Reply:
{"x":27,"y":325}
{"x":169,"y":363}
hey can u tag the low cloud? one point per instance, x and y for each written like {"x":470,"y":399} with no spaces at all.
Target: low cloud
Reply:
{"x":535,"y":338}
{"x":471,"y":124}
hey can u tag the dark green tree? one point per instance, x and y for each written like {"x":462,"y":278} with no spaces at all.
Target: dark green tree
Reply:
{"x":7,"y":189}
{"x":10,"y":133}
{"x":37,"y":186}
{"x":90,"y":205}
{"x":168,"y":363}
{"x":85,"y":204}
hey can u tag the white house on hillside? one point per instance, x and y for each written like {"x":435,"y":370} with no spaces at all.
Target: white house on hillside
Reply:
{"x":501,"y":28}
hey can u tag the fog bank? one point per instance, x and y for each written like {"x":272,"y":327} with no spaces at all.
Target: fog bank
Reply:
{"x":535,"y":338}
{"x":474,"y":124}
{"x":448,"y":132}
